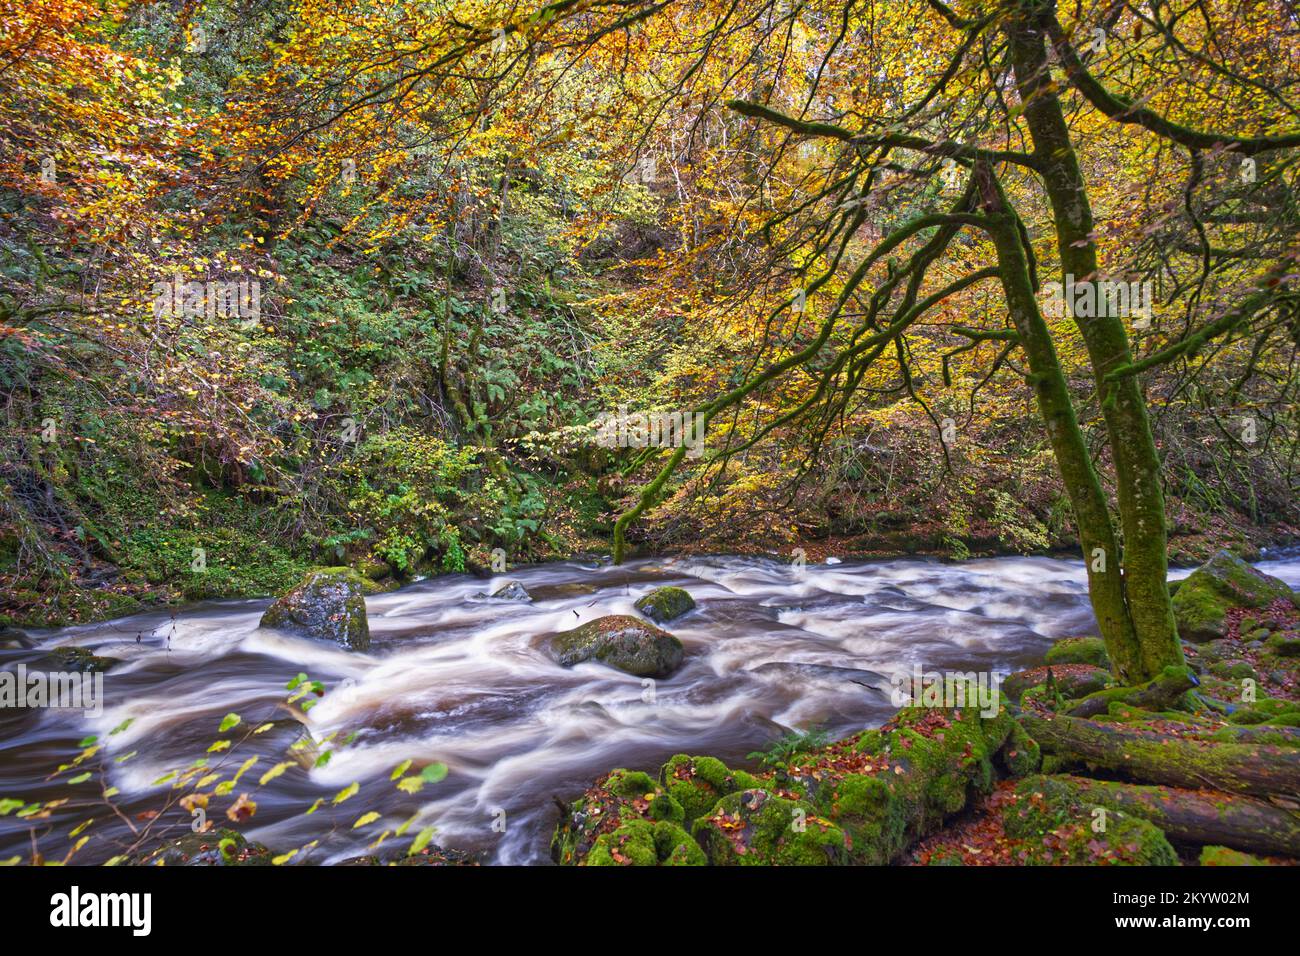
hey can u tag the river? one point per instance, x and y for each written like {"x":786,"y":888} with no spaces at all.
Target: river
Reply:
{"x":457,"y":678}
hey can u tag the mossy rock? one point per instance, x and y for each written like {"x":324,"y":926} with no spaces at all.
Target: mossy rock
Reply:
{"x":1284,"y":646}
{"x":619,"y":641}
{"x":1233,"y":670}
{"x":78,"y":660}
{"x":373,"y":569}
{"x":646,"y":843}
{"x":1079,"y":650}
{"x":1213,"y":652}
{"x":1262,"y":710}
{"x":665,"y":604}
{"x":1073,"y":680}
{"x":863,"y":799}
{"x":698,"y":783}
{"x":1224,"y":856}
{"x":625,"y":819}
{"x":223,"y":847}
{"x":927,"y":766}
{"x":1221,"y":584}
{"x":328,"y":603}
{"x":1058,"y":827}
{"x":758,"y":828}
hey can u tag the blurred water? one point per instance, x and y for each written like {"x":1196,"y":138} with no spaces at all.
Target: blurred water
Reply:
{"x":454,"y":677}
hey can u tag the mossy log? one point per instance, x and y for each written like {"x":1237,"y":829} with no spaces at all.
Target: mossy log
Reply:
{"x":1160,"y":758}
{"x":1158,"y":694}
{"x":1198,"y":816}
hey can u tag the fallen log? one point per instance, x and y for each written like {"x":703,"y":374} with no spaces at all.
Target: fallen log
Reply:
{"x":1161,"y":693}
{"x":1199,"y":817}
{"x":1160,"y":758}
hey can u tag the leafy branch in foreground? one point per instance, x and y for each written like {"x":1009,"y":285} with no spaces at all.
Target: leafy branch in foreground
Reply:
{"x":204,"y":789}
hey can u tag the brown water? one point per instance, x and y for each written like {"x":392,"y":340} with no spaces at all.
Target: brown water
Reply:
{"x":453,"y":677}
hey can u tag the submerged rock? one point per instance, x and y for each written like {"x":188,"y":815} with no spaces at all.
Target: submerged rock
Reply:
{"x":556,"y":592}
{"x":620,"y":641}
{"x":78,"y":660}
{"x":1223,"y":583}
{"x":665,"y":604}
{"x":328,"y":603}
{"x":12,"y":637}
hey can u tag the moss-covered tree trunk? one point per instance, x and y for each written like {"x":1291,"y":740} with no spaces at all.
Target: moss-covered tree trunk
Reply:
{"x":1142,"y":566}
{"x":1056,"y":408}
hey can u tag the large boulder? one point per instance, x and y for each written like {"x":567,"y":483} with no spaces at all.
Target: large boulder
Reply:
{"x":1223,"y":583}
{"x":664,"y":604}
{"x":620,"y":641}
{"x":328,"y":603}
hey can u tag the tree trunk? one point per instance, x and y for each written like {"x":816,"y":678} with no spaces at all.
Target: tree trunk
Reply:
{"x":1150,"y":643}
{"x":1056,"y":408}
{"x":1159,"y":758}
{"x":1197,"y":817}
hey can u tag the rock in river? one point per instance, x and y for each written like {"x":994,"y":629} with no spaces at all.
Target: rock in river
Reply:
{"x":1202,"y":602}
{"x":665,"y":604}
{"x":620,"y":641}
{"x":327,"y":603}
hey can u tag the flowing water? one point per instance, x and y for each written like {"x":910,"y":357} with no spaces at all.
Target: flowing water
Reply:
{"x":455,"y":677}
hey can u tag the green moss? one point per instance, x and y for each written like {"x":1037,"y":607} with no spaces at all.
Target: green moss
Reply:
{"x":1233,"y":670}
{"x":675,"y":847}
{"x":872,"y":812}
{"x":1264,"y":709}
{"x":631,"y":783}
{"x":698,"y":783}
{"x":78,"y":660}
{"x":756,"y":828}
{"x":328,"y":604}
{"x":1222,"y":583}
{"x":1284,"y":646}
{"x":1079,"y":650}
{"x":632,"y":844}
{"x":619,"y":641}
{"x":1021,"y":754}
{"x":1223,"y":856}
{"x":1057,"y":827}
{"x":665,"y":604}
